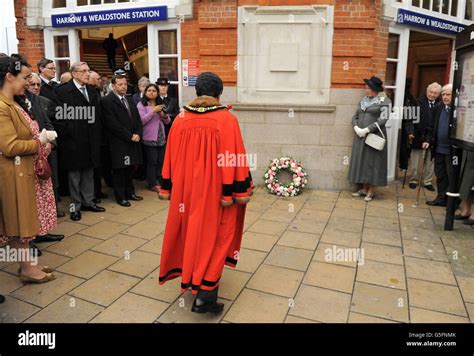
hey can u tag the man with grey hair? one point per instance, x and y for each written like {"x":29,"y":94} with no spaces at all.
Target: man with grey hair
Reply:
{"x":65,"y":77}
{"x":438,"y":140}
{"x":427,"y":107}
{"x":142,"y":84}
{"x":79,"y":130}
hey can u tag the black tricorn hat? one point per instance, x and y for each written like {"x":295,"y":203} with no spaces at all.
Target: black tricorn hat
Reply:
{"x":374,"y":83}
{"x":162,"y":81}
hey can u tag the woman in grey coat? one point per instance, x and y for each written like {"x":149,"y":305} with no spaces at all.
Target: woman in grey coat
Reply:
{"x":368,"y":166}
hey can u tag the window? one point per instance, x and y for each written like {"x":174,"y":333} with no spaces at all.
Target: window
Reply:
{"x":392,"y":65}
{"x":469,"y":10}
{"x":448,"y":7}
{"x":61,"y":54}
{"x":168,"y":54}
{"x":59,"y":3}
{"x":99,"y":2}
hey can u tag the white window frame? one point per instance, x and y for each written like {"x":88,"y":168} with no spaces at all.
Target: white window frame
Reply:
{"x":73,"y":40}
{"x":394,"y":123}
{"x":153,"y":52}
{"x":407,"y":4}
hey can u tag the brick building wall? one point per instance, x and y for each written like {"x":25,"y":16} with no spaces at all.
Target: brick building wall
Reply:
{"x":31,"y":42}
{"x":359,"y":45}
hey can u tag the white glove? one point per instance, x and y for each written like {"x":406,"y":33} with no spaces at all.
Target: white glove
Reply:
{"x":43,"y":137}
{"x":359,"y":131}
{"x":52,"y":135}
{"x":363,"y":132}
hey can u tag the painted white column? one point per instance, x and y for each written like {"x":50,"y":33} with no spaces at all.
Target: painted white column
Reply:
{"x":394,"y":124}
{"x":8,"y":39}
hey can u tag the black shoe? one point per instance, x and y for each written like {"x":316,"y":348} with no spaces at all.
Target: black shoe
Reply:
{"x":76,"y":216}
{"x":60,"y":214}
{"x":429,"y":187}
{"x":468,"y":221}
{"x":48,"y":238}
{"x":461,"y":217}
{"x":437,"y":202}
{"x":207,"y":307}
{"x":2,"y":299}
{"x":135,"y":197}
{"x":96,"y":200}
{"x":412,"y":185}
{"x":94,"y":208}
{"x":34,"y":250}
{"x":123,"y":203}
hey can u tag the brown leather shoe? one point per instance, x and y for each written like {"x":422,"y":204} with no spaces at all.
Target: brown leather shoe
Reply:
{"x":45,"y":269}
{"x":49,"y":277}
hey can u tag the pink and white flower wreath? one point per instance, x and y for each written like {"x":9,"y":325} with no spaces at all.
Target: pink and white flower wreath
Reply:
{"x":295,"y":168}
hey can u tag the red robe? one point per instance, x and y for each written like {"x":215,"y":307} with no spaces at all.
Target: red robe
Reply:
{"x":207,"y":195}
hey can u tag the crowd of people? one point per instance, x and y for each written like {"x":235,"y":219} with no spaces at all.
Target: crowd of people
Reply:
{"x":65,"y":139}
{"x":424,"y":143}
{"x":71,"y":135}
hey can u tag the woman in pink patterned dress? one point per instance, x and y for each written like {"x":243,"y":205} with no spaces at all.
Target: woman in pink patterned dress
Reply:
{"x":44,"y":188}
{"x":24,"y":200}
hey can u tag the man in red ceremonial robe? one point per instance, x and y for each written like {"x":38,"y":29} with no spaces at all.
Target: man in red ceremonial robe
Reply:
{"x":207,"y":180}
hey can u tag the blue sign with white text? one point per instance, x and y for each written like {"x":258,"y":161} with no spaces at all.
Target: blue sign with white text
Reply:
{"x":411,"y":18}
{"x":141,"y":14}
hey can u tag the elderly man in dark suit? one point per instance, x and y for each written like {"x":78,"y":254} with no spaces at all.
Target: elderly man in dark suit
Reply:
{"x":427,"y":110}
{"x":124,"y":128}
{"x":438,"y":140}
{"x":79,"y":129}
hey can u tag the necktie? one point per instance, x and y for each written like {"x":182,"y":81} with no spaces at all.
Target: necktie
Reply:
{"x":84,"y":92}
{"x":124,"y":102}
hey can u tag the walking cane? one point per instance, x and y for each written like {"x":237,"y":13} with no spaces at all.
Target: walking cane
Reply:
{"x":408,"y":149}
{"x":420,"y":180}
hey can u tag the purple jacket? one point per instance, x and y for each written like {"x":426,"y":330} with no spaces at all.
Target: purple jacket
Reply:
{"x":151,"y":121}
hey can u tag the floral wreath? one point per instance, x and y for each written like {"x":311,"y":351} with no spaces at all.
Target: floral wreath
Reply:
{"x":294,"y":167}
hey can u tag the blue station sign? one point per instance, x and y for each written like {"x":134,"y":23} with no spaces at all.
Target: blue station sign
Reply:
{"x":107,"y":17}
{"x":411,"y":18}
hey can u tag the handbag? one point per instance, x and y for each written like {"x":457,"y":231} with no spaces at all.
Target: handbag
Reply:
{"x":42,"y":168}
{"x":375,"y":141}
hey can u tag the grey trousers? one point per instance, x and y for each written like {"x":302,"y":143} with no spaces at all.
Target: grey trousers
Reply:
{"x":81,"y":188}
{"x":416,"y":162}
